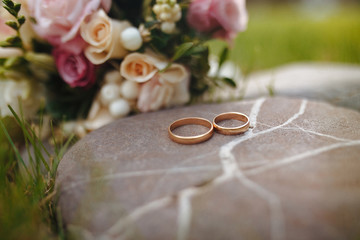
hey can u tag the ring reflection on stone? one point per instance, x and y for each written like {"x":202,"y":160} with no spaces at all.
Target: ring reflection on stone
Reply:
{"x":231,"y":116}
{"x":191,"y":139}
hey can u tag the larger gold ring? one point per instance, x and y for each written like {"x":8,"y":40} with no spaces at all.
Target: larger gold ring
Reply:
{"x":231,"y":130}
{"x":191,"y":139}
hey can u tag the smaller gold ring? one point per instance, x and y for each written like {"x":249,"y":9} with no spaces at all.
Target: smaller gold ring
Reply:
{"x":231,"y":130}
{"x":191,"y":139}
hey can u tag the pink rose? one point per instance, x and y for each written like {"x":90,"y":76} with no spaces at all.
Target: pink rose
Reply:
{"x":62,"y":18}
{"x":154,"y":95}
{"x":159,"y":92}
{"x":74,"y":69}
{"x":223,"y":18}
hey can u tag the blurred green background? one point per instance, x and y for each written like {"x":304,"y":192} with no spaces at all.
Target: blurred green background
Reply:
{"x":280,"y":32}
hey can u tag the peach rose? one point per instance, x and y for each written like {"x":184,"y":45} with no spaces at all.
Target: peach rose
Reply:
{"x":103,"y":36}
{"x":139,"y":67}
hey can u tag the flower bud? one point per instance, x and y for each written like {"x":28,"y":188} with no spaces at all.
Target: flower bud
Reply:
{"x":131,"y":39}
{"x":119,"y":108}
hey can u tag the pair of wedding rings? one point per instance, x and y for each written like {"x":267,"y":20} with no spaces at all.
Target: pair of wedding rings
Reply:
{"x":214,"y":125}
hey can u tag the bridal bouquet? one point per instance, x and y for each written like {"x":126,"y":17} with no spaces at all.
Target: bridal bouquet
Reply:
{"x":94,"y":61}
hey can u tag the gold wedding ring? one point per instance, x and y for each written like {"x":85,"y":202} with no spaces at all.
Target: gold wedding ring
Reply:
{"x":231,"y":130}
{"x":191,"y":139}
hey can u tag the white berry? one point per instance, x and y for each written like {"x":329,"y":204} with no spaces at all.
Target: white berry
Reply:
{"x":119,"y":108}
{"x":168,"y":27}
{"x":112,"y":77}
{"x":109,"y":92}
{"x":130,"y":90}
{"x":131,"y":39}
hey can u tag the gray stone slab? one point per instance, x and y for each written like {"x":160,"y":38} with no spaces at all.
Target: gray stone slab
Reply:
{"x":293,"y":175}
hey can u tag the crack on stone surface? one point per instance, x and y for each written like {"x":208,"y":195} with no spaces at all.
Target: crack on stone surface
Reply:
{"x":143,"y":173}
{"x":301,"y":156}
{"x":310,"y":132}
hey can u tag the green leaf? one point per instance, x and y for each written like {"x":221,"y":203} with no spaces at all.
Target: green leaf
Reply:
{"x":17,"y":7}
{"x":8,"y":3}
{"x":159,"y":40}
{"x":11,"y":11}
{"x":229,"y":82}
{"x":182,"y":50}
{"x":13,"y":25}
{"x":198,"y":50}
{"x":151,"y":24}
{"x":11,"y":61}
{"x":223,"y":56}
{"x":5,"y":44}
{"x":14,"y":41}
{"x":21,"y":20}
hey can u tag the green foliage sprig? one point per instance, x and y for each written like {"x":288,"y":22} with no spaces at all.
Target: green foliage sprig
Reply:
{"x":14,"y":9}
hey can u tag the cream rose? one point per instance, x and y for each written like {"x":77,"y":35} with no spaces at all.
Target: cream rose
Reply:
{"x":139,"y":67}
{"x":158,"y":89}
{"x":103,"y":36}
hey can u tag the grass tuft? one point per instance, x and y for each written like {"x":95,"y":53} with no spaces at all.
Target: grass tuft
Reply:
{"x":27,"y":187}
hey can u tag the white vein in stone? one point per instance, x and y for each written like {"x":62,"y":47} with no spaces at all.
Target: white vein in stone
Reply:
{"x":185,"y":206}
{"x":144,"y":173}
{"x":229,"y":169}
{"x":311,"y":132}
{"x":177,"y":166}
{"x":323,"y":134}
{"x":300,"y":156}
{"x":121,"y":229}
{"x":276,"y":215}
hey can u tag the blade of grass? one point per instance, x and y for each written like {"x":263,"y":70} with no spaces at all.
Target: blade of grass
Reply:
{"x":17,"y":153}
{"x":31,"y":139}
